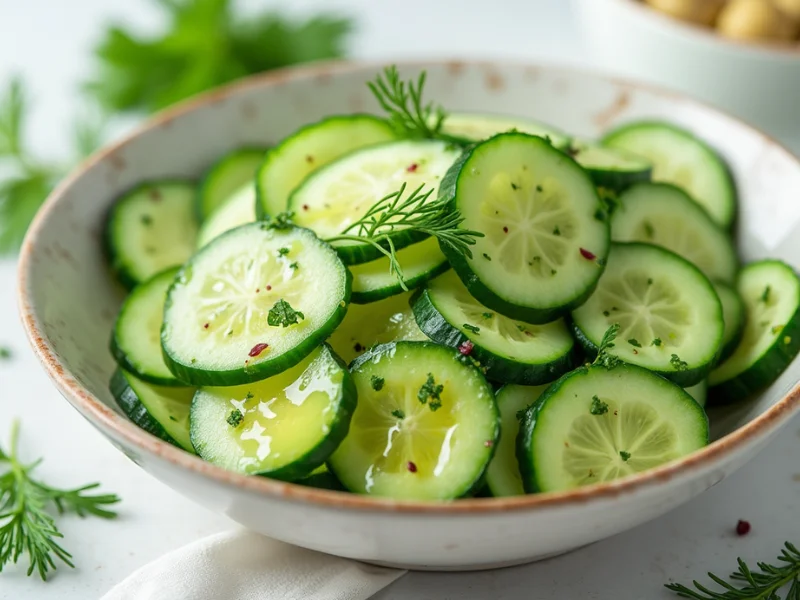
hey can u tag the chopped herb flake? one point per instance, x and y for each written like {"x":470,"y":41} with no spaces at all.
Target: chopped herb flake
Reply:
{"x":648,"y":230}
{"x":487,"y":315}
{"x":539,"y":188}
{"x":765,"y":295}
{"x":604,"y":358}
{"x":283,"y":251}
{"x":514,"y":186}
{"x":598,"y":407}
{"x":649,"y":281}
{"x":431,"y":391}
{"x":282,"y":314}
{"x":294,"y":266}
{"x":606,"y":313}
{"x":235,"y":418}
{"x":486,"y":256}
{"x":376,"y":383}
{"x":472,"y":328}
{"x":678,"y":364}
{"x":5,"y":353}
{"x":146,"y":220}
{"x":634,"y":342}
{"x":556,"y":230}
{"x":624,"y":455}
{"x":398,"y":413}
{"x":656,"y":342}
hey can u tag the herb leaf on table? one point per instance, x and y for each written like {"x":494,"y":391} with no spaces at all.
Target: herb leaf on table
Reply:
{"x":25,"y":525}
{"x":763,"y":584}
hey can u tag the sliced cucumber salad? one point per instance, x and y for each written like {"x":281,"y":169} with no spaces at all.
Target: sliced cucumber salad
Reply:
{"x":426,"y":305}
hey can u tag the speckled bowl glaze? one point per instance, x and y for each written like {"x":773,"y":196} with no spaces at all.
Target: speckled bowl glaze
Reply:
{"x":68,"y":302}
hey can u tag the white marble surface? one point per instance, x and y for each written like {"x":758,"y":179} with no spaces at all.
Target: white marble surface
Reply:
{"x":49,"y":42}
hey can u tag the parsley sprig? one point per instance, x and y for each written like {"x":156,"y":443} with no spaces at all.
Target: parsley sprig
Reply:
{"x":413,"y":212}
{"x":748,"y":585}
{"x":604,"y":357}
{"x":283,"y":315}
{"x":25,"y":525}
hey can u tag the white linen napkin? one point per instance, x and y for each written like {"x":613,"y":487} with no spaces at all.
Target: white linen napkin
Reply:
{"x":240,"y":565}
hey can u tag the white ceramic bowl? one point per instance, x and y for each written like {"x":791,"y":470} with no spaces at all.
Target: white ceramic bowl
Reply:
{"x":68,"y":302}
{"x":756,"y":81}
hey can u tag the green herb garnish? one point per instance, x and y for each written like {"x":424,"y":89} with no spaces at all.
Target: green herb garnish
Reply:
{"x":5,"y":353}
{"x":604,"y":358}
{"x":430,"y":393}
{"x":283,"y":251}
{"x":235,"y":418}
{"x":487,"y":315}
{"x":398,"y":413}
{"x":474,"y":329}
{"x":656,"y":342}
{"x":282,"y":314}
{"x":26,"y":527}
{"x":598,"y":407}
{"x":624,"y":455}
{"x":376,"y":383}
{"x":765,"y":294}
{"x":634,"y":342}
{"x":282,"y":220}
{"x":678,"y":364}
{"x":648,"y":230}
{"x":486,"y":256}
{"x":294,"y":266}
{"x":763,"y":584}
{"x":556,"y":230}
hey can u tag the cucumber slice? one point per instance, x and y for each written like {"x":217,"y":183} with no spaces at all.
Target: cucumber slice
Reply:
{"x":284,"y":427}
{"x":502,"y":476}
{"x":596,"y":425}
{"x":238,"y":209}
{"x":662,"y":214}
{"x":405,"y":448}
{"x":420,"y":262}
{"x":682,"y":159}
{"x":322,"y":478}
{"x":160,"y":411}
{"x":367,"y":325}
{"x":733,"y":313}
{"x":311,"y":147}
{"x":699,"y":392}
{"x":771,"y":293}
{"x":217,"y":327}
{"x":476,"y":127}
{"x":225,"y":177}
{"x":543,"y":249}
{"x":611,"y":168}
{"x":150,"y":229}
{"x":136,"y":339}
{"x":507,"y":350}
{"x":340,"y":194}
{"x":669,"y":315}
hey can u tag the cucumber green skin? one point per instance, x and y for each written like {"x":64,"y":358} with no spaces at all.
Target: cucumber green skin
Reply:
{"x":261,"y":201}
{"x":683,"y":379}
{"x":118,"y":266}
{"x":324,"y":481}
{"x":497,"y":367}
{"x":461,"y":263}
{"x":129,"y":402}
{"x":302,"y":467}
{"x":205,"y":206}
{"x":526,"y":427}
{"x":480,"y":480}
{"x":764,"y":371}
{"x":115,"y":346}
{"x":729,"y":347}
{"x":356,"y":254}
{"x":393,"y":290}
{"x":732,"y":191}
{"x":266,"y":368}
{"x":618,"y":181}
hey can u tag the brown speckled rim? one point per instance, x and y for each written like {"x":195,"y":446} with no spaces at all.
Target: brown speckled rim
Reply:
{"x":121,"y":428}
{"x":764,"y":48}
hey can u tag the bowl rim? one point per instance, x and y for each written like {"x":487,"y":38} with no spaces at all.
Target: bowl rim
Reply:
{"x":766,"y":48}
{"x":116,"y":425}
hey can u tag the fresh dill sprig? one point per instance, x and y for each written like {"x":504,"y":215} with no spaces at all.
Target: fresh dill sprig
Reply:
{"x":763,"y":585}
{"x":409,"y":213}
{"x":604,"y":358}
{"x":406,"y":111}
{"x":25,"y":525}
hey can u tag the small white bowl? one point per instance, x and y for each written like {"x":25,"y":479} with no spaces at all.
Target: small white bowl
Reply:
{"x":759,"y":82}
{"x":69,"y":300}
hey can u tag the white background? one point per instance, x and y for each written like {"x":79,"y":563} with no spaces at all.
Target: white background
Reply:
{"x":49,"y":41}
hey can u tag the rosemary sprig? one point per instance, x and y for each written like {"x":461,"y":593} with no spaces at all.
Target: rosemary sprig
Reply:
{"x":406,"y":112}
{"x":755,"y":586}
{"x":25,"y":525}
{"x":409,"y":213}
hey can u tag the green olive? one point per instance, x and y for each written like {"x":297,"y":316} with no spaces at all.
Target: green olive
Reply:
{"x":701,"y":12}
{"x":754,"y":20}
